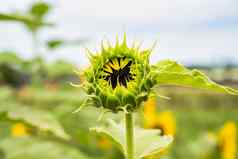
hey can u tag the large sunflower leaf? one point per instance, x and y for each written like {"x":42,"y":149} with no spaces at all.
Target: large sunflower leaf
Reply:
{"x":147,"y":142}
{"x":32,"y":148}
{"x":43,"y":120}
{"x":171,"y":73}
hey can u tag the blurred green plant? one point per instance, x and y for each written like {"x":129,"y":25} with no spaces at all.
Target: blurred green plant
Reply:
{"x":29,"y":147}
{"x":33,"y":19}
{"x":11,"y":71}
{"x":13,"y":76}
{"x":61,"y":103}
{"x":40,"y":119}
{"x":59,"y":42}
{"x":59,"y":69}
{"x":10,"y":58}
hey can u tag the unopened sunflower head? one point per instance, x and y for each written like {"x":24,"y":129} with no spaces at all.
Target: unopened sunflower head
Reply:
{"x":119,"y":77}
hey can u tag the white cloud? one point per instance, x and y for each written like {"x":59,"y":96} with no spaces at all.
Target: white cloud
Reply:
{"x":151,"y":10}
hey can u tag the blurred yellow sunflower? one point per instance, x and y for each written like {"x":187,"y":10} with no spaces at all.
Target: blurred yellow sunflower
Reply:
{"x":150,"y":120}
{"x":165,"y":121}
{"x":227,"y":141}
{"x":19,"y":130}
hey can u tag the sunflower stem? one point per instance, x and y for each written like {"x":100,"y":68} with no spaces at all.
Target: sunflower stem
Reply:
{"x":129,"y":135}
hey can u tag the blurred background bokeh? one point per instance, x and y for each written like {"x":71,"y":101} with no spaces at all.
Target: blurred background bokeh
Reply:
{"x":43,"y":42}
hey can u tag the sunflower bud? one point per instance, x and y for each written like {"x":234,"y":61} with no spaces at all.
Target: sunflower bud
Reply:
{"x":119,"y":77}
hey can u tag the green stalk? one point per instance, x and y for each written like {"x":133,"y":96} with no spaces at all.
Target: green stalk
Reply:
{"x":129,"y":136}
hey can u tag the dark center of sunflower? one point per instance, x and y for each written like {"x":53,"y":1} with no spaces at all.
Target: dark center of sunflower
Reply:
{"x":118,"y":72}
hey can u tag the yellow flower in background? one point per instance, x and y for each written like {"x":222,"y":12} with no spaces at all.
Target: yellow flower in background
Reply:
{"x":19,"y":130}
{"x":150,"y":113}
{"x":164,"y":120}
{"x":227,"y":140}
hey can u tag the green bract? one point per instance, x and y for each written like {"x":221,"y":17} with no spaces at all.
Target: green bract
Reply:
{"x":119,"y":77}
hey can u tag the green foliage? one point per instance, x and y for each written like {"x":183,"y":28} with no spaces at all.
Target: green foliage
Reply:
{"x":5,"y":93}
{"x":20,"y":71}
{"x":10,"y":57}
{"x":195,"y":98}
{"x":40,"y":9}
{"x":13,"y":76}
{"x":32,"y":148}
{"x":147,"y":142}
{"x":50,"y":99}
{"x":55,"y":43}
{"x":60,"y":104}
{"x":171,"y":73}
{"x":43,"y":120}
{"x":59,"y":69}
{"x":10,"y":68}
{"x":32,"y":24}
{"x":34,"y":19}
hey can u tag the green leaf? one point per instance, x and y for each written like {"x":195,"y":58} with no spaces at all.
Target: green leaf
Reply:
{"x":55,"y":43}
{"x":33,"y":19}
{"x":39,"y":9}
{"x":147,"y":142}
{"x":32,"y":148}
{"x":43,"y":120}
{"x":171,"y":73}
{"x":33,"y":24}
{"x":10,"y":57}
{"x":22,"y":18}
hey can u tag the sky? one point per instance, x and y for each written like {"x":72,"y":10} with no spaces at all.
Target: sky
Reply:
{"x":192,"y":32}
